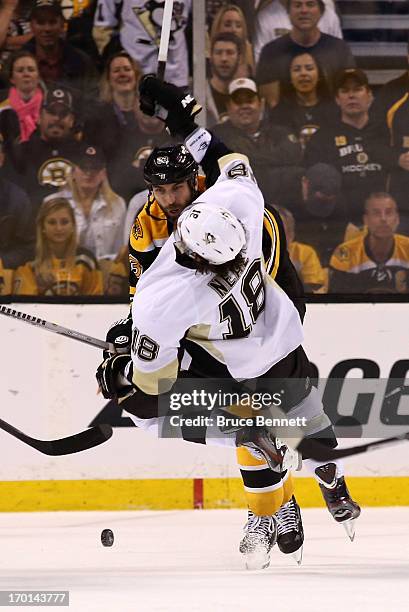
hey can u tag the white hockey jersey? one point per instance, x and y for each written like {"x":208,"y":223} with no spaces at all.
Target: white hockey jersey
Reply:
{"x":140,"y":24}
{"x":245,"y":321}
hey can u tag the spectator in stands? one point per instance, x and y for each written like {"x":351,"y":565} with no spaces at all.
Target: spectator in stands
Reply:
{"x":60,"y":267}
{"x":45,"y":160}
{"x":398,"y":122}
{"x":16,"y":223}
{"x":226,"y":52}
{"x":20,"y":111}
{"x":126,"y":135}
{"x":249,"y":10}
{"x":272,"y":149}
{"x":305,"y":36}
{"x":15,"y":29}
{"x":303,"y":256}
{"x":79,"y":18}
{"x":99,"y":212}
{"x":114,"y":116}
{"x":59,"y":62}
{"x":305,"y":104}
{"x":376,"y":261}
{"x":320,"y":211}
{"x":353,"y":144}
{"x":139,"y":34}
{"x":230,"y":18}
{"x":273,"y":21}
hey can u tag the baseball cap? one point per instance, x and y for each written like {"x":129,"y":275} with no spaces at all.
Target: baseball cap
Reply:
{"x":90,"y":156}
{"x":49,"y":5}
{"x":355,"y":74}
{"x":246,"y":84}
{"x":58,"y":97}
{"x":324,"y":189}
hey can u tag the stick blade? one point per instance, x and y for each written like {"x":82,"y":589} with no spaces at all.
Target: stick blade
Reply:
{"x":94,"y":436}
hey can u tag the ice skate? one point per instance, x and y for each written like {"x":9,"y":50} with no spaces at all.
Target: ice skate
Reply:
{"x":260,"y":537}
{"x":290,"y":532}
{"x":339,"y":502}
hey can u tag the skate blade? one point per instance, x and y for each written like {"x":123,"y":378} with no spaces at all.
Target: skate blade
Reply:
{"x":297,"y":555}
{"x":349,"y":528}
{"x":257,"y":561}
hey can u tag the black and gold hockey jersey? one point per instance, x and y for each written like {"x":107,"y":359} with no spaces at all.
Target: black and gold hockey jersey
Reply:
{"x":354,"y":270}
{"x":83,"y":278}
{"x":151,"y":229}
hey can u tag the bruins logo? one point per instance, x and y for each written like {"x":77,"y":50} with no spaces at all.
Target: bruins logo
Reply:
{"x":362,"y":158}
{"x":62,"y":288}
{"x":401,"y":281}
{"x":340,"y":141}
{"x":54,"y":172}
{"x":342,"y":253}
{"x":136,"y":267}
{"x":137,"y":231}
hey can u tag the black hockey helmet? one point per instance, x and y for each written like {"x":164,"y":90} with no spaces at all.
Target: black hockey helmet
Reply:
{"x":169,"y":165}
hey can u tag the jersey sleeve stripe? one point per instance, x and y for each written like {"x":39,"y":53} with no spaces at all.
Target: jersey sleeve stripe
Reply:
{"x":274,"y":259}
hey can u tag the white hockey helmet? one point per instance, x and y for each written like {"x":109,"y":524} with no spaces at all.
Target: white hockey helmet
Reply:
{"x":212,"y":232}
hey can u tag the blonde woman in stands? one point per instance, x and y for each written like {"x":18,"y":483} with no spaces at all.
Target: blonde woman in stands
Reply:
{"x":230,"y":18}
{"x":60,"y":267}
{"x":99,"y":212}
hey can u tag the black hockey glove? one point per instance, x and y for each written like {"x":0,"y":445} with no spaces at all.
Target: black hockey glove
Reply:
{"x":120,"y":336}
{"x":108,"y":373}
{"x":170,"y":103}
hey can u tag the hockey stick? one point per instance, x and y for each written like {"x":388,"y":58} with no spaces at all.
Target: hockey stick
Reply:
{"x":64,"y":446}
{"x":57,"y":329}
{"x":164,"y":39}
{"x":320,"y":452}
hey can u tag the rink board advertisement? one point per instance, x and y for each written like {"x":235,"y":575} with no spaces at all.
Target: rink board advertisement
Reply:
{"x":48,"y":390}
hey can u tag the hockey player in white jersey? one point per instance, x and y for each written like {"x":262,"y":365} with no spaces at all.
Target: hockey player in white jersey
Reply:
{"x":139,"y":23}
{"x":208,"y":288}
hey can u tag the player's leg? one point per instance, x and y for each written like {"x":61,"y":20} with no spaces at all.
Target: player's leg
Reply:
{"x":270,"y":498}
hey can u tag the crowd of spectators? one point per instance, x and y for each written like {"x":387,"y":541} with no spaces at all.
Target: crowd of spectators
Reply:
{"x":329,"y":152}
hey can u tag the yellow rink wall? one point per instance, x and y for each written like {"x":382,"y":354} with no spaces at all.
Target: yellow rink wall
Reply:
{"x":178,"y":494}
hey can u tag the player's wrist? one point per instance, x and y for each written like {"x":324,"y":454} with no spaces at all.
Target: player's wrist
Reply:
{"x":197,"y":142}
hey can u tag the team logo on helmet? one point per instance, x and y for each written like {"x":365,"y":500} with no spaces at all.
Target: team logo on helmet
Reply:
{"x":209,"y":238}
{"x":162,"y":160}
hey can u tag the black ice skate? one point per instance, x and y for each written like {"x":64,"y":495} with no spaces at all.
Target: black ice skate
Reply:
{"x":339,"y":502}
{"x":290,"y":532}
{"x":260,"y":537}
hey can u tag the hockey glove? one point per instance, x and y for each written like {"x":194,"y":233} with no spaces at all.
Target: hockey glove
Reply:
{"x":170,"y":103}
{"x":120,"y":335}
{"x":108,"y":376}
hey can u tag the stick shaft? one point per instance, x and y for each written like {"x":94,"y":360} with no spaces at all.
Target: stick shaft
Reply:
{"x":56,"y":329}
{"x":164,"y":39}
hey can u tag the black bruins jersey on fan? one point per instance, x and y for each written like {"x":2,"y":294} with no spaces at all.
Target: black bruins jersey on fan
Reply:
{"x":354,"y":270}
{"x":45,"y":165}
{"x":151,"y":230}
{"x":362,"y":156}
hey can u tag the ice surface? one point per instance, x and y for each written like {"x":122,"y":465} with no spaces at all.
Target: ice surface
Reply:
{"x":189,"y":560}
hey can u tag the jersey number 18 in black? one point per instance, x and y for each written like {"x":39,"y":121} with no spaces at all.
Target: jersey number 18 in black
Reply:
{"x":252,"y":289}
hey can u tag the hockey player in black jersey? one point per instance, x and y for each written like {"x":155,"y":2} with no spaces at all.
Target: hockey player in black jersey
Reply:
{"x":255,"y":524}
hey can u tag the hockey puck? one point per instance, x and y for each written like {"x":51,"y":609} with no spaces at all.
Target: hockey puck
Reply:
{"x":107,"y":537}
